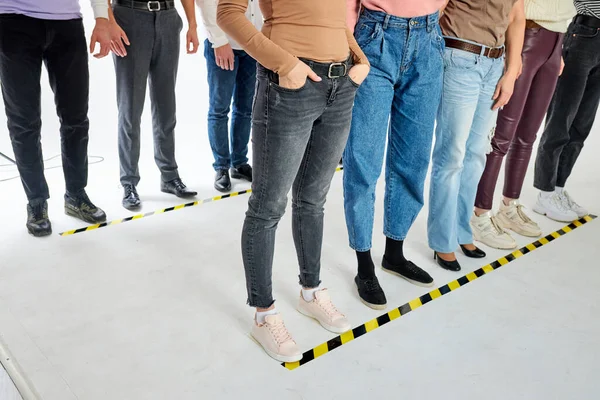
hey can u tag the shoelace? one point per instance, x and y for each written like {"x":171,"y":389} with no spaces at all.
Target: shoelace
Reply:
{"x":179,"y":184}
{"x":280,"y":332}
{"x":129,"y":189}
{"x":371,"y":285}
{"x":39,"y":211}
{"x":569,"y":200}
{"x":329,"y":308}
{"x":561,"y":202}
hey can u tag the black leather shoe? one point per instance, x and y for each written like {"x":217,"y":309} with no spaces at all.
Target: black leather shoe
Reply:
{"x":242,"y":172}
{"x":80,"y":206}
{"x":222,"y":181}
{"x":131,"y":199}
{"x":409,"y":271}
{"x":370,"y":293}
{"x":177,"y":188}
{"x":477,"y":253}
{"x":38,"y":223}
{"x":449,"y":265}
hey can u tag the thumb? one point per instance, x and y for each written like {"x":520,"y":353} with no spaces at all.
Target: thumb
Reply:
{"x":313,"y":76}
{"x":497,"y":92}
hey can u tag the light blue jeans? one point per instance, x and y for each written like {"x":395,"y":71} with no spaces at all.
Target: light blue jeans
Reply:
{"x":398,"y":101}
{"x":465,"y":127}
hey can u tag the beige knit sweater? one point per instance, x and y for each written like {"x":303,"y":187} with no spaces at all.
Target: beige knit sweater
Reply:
{"x":554,"y":15}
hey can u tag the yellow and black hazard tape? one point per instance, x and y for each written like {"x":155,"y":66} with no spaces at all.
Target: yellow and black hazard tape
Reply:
{"x":412,"y":305}
{"x":162,"y":211}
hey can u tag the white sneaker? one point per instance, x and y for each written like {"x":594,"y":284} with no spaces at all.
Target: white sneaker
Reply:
{"x":322,"y":309}
{"x":554,"y":207}
{"x":513,"y":217}
{"x":487,"y":230}
{"x":276,"y":340}
{"x":576,"y":208}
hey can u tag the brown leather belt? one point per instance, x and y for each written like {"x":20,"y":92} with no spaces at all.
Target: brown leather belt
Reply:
{"x":496,"y":52}
{"x":529,"y":24}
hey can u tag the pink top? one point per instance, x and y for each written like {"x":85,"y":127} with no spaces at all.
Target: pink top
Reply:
{"x":398,"y":8}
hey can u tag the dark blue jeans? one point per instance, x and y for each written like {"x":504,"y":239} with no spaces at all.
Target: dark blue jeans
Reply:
{"x":222,"y":86}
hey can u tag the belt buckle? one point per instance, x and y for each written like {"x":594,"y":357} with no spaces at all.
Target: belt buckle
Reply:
{"x":157,"y":3}
{"x":339,"y":64}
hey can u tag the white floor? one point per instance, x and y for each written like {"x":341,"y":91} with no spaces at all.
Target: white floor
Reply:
{"x":155,"y":308}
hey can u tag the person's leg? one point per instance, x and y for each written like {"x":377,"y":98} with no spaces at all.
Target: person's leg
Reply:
{"x":66,"y":60}
{"x":21,"y":49}
{"x":162,"y":79}
{"x":132,"y":75}
{"x":463,"y":78}
{"x":241,"y":118}
{"x":580,"y":57}
{"x":534,"y":54}
{"x":363,"y":155}
{"x":540,"y":95}
{"x":220,"y":91}
{"x":282,"y":124}
{"x":409,"y":143}
{"x":478,"y":145}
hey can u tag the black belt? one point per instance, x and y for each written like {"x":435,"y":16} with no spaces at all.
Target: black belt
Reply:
{"x":587,"y":20}
{"x":330,"y":70}
{"x":146,"y":5}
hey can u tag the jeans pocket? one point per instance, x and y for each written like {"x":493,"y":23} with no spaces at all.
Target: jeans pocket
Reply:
{"x":582,"y":31}
{"x":463,"y":59}
{"x":356,"y":85}
{"x":366,"y":32}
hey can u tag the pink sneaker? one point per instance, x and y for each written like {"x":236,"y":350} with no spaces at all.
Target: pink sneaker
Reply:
{"x":276,"y":340}
{"x":323,"y":310}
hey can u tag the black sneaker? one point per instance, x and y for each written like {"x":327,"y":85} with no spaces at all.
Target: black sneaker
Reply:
{"x":370,"y":293}
{"x":222,"y":181}
{"x":409,"y":271}
{"x":242,"y":172}
{"x":38,"y":223}
{"x":131,"y":199}
{"x":177,"y":188}
{"x":80,"y":206}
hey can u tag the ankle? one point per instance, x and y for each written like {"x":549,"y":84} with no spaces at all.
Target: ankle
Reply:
{"x":507,"y":201}
{"x":308,"y":294}
{"x":446,"y":256}
{"x":262,"y":313}
{"x":394,"y":252}
{"x":480,"y":211}
{"x":366,"y":268}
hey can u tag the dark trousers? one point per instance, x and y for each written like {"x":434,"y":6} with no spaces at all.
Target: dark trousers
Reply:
{"x":26,"y":43}
{"x":572,"y":110}
{"x":153,"y":58}
{"x":223,"y":86}
{"x":520,"y":120}
{"x":297,"y":141}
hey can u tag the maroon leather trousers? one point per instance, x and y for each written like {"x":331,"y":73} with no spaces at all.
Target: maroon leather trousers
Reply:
{"x":520,"y":120}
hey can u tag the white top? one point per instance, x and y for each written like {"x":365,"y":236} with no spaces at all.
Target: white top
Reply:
{"x":554,"y":15}
{"x":216,"y":36}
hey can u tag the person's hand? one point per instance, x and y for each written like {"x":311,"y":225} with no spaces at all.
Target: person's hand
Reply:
{"x":358,"y":73}
{"x":224,"y":57}
{"x":297,"y":77}
{"x":562,"y":66}
{"x":101,"y":35}
{"x":191,"y":40}
{"x":118,"y":39}
{"x":504,"y":90}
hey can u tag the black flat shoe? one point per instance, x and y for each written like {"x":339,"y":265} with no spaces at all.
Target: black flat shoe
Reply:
{"x":242,"y":172}
{"x":177,"y":188}
{"x":477,"y":253}
{"x":449,"y":265}
{"x":131,"y":199}
{"x":222,"y":181}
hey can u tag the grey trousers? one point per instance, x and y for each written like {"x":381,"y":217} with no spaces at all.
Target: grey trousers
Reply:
{"x":153,"y":57}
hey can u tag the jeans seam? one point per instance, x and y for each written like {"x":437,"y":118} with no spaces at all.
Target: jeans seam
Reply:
{"x":301,"y":175}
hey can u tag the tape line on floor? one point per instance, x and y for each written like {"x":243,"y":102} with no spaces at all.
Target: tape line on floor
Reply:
{"x":162,"y":211}
{"x":412,"y":305}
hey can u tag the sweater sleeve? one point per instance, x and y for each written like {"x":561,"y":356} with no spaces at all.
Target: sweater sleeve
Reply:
{"x":100,"y":8}
{"x":231,"y":17}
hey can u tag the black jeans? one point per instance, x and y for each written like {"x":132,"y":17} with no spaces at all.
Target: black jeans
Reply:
{"x":26,"y":43}
{"x":298,"y":137}
{"x":572,"y":110}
